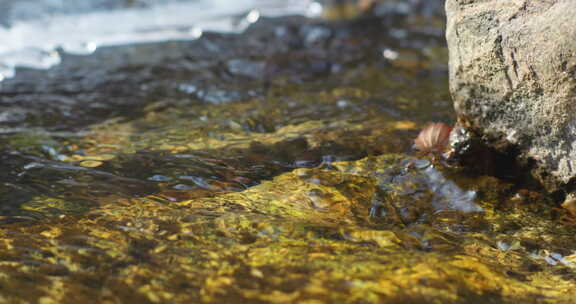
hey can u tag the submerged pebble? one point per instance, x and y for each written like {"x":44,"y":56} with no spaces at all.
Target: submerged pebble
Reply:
{"x":422,"y":194}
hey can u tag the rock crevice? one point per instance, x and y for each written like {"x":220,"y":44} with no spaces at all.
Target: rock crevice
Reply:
{"x":512,"y":66}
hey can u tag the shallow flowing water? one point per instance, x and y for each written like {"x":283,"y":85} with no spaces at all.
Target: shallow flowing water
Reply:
{"x":274,"y":165}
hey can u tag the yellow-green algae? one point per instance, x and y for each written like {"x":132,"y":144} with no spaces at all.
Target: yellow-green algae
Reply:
{"x":275,"y":243}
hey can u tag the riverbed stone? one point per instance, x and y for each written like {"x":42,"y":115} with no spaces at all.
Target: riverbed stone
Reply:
{"x":513,"y":80}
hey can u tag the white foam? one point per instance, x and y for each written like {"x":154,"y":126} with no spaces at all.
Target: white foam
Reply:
{"x":33,"y":43}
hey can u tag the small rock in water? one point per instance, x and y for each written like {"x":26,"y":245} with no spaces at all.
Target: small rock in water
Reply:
{"x":421,"y":163}
{"x":159,"y":178}
{"x":247,"y":68}
{"x":422,"y":194}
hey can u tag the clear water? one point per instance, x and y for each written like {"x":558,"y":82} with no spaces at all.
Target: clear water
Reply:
{"x":268,"y":166}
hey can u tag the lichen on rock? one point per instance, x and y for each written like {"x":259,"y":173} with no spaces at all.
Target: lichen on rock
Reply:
{"x":512,"y":80}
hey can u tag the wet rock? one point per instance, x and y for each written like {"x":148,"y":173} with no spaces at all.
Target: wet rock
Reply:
{"x":246,"y":68}
{"x":12,"y":115}
{"x":512,"y":77}
{"x":315,"y":34}
{"x":121,"y":80}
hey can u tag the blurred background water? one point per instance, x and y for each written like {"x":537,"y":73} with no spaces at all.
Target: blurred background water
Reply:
{"x":34,"y":33}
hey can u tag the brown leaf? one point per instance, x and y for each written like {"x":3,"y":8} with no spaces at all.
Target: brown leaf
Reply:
{"x":433,"y":138}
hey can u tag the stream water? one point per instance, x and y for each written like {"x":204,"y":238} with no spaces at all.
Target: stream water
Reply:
{"x":268,"y":162}
{"x":36,"y":33}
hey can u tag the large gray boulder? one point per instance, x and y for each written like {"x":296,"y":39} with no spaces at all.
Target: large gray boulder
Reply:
{"x":513,"y":80}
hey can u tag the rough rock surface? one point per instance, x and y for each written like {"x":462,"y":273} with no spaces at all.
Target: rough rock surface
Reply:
{"x":513,"y":80}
